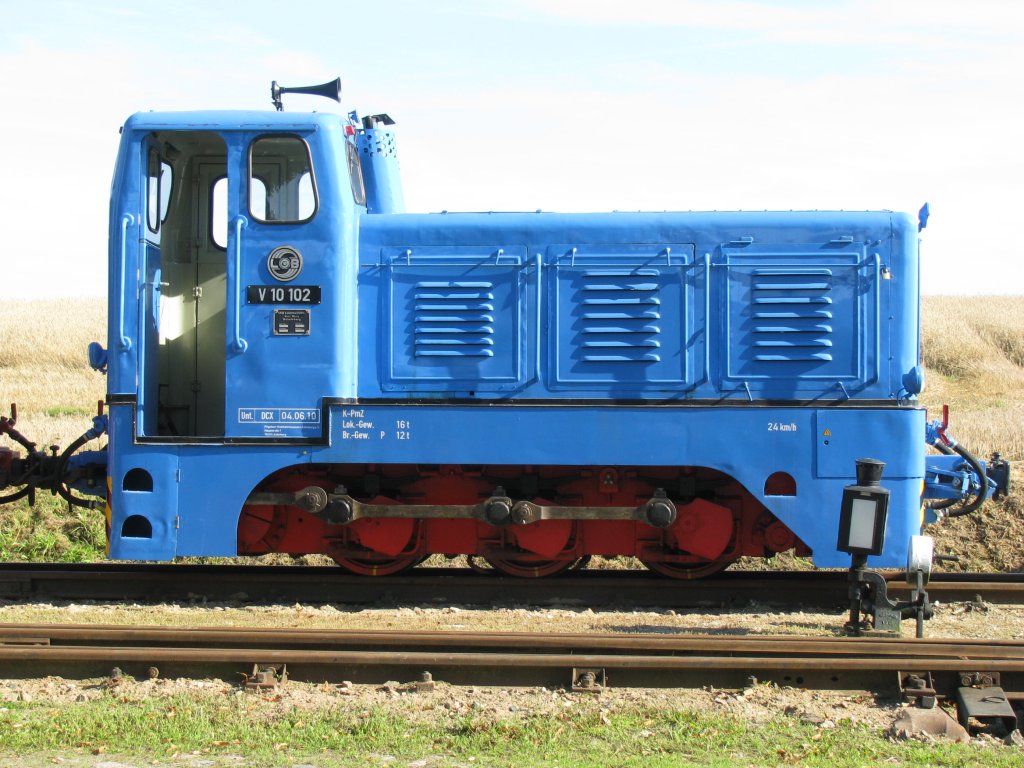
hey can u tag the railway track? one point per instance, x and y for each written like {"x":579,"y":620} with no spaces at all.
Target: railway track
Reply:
{"x":586,"y":662}
{"x":424,"y":586}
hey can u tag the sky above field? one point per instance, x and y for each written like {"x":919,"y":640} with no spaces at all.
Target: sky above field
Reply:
{"x":565,"y":105}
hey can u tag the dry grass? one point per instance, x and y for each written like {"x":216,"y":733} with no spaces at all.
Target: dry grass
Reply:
{"x":44,"y":367}
{"x":973,"y":350}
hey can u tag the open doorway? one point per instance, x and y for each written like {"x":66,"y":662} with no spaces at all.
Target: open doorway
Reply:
{"x":182,"y":381}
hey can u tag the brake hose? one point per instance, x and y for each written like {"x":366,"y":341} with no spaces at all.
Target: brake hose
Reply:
{"x":61,"y":487}
{"x":982,"y":494}
{"x":941,"y":447}
{"x":7,"y":428}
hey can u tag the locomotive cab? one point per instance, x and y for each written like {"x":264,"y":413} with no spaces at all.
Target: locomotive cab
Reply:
{"x":232,"y":241}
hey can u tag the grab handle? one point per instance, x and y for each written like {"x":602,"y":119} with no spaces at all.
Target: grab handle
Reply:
{"x":125,"y":343}
{"x":237,"y":342}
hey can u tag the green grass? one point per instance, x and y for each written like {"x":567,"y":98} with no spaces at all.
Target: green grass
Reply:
{"x":48,"y":532}
{"x":348,"y":734}
{"x":64,"y":410}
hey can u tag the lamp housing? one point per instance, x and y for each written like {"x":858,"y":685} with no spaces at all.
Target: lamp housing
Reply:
{"x":864,"y":511}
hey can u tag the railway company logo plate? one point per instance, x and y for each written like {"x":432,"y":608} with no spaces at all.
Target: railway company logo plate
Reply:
{"x":284,"y":263}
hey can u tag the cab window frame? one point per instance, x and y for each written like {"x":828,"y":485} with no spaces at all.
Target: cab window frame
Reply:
{"x":268,"y":196}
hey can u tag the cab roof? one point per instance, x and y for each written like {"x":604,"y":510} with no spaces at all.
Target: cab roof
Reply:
{"x":227,"y":120}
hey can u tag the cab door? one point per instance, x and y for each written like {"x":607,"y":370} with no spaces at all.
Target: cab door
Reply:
{"x":282,"y":259}
{"x":156,"y":192}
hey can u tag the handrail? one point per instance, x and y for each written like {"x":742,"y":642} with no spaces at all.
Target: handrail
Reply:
{"x":237,"y":342}
{"x":539,"y":352}
{"x":878,"y":320}
{"x":706,"y":379}
{"x":706,"y":375}
{"x":125,"y":343}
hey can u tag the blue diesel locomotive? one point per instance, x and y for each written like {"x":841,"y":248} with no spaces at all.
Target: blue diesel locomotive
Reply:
{"x":297,"y":365}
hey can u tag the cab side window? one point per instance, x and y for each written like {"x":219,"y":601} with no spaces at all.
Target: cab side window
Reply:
{"x":158,"y":194}
{"x":282,"y":187}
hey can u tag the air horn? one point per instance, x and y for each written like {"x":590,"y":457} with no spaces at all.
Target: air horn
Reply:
{"x":331,"y":90}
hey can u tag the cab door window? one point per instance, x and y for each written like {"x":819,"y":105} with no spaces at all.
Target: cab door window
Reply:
{"x":158,"y":193}
{"x":282,"y":188}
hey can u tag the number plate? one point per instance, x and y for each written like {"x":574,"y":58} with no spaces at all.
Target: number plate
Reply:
{"x":283,"y":294}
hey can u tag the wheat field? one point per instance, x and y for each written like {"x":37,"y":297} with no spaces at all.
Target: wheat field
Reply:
{"x":44,"y":367}
{"x":972,"y":349}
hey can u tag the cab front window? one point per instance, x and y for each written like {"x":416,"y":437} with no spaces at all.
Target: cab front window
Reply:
{"x":282,"y":188}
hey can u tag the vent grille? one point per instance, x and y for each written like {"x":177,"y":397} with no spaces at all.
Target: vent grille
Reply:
{"x":792,"y":315}
{"x":621,"y":314}
{"x":453,"y":319}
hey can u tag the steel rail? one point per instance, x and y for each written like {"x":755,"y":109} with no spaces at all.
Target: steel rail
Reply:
{"x":504,"y":658}
{"x":420,"y":659}
{"x":525,"y":643}
{"x":604,"y":588}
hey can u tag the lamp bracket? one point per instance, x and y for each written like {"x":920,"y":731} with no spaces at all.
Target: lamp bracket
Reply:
{"x":869,"y":597}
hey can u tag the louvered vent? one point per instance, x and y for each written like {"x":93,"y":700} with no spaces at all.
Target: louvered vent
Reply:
{"x":621,"y":314}
{"x":792,"y":315}
{"x":453,"y":319}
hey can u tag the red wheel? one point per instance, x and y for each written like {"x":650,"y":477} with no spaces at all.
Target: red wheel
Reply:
{"x":699,"y":570}
{"x":372,"y":565}
{"x":526,"y":567}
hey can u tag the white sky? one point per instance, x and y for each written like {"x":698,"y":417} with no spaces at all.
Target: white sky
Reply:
{"x":570,"y":105}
